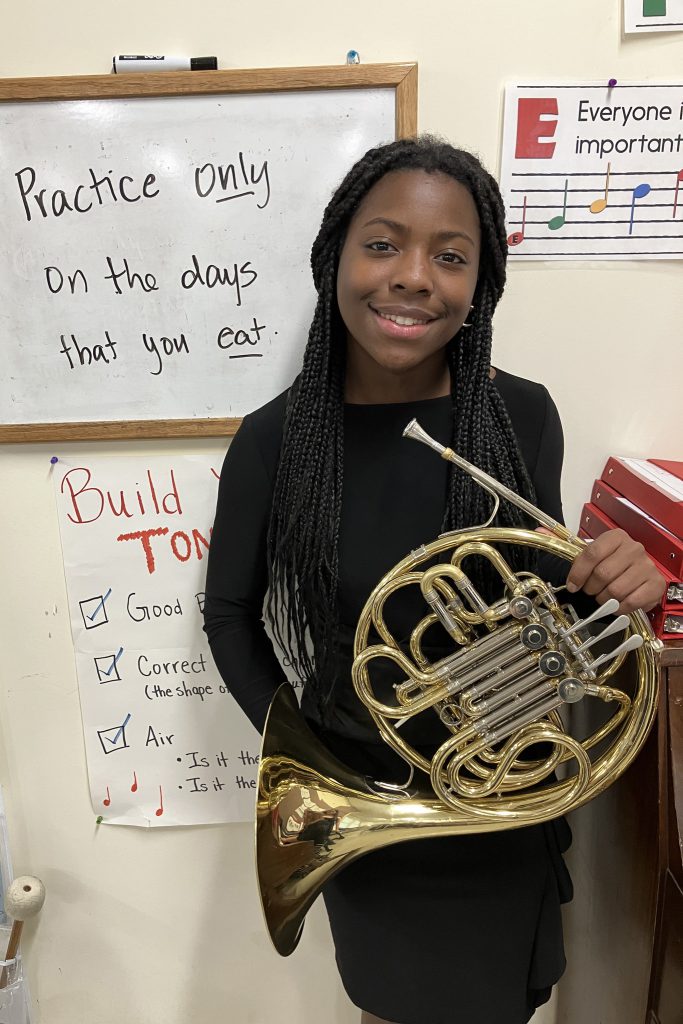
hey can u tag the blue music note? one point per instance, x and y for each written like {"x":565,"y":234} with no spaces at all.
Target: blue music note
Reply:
{"x":639,"y":192}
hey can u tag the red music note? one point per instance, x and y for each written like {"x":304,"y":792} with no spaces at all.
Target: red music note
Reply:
{"x":134,"y":787}
{"x":679,"y":179}
{"x":108,"y":800}
{"x":518,"y":236}
{"x":160,"y":810}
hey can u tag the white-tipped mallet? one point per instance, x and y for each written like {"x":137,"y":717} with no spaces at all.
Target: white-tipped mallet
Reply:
{"x":23,"y":899}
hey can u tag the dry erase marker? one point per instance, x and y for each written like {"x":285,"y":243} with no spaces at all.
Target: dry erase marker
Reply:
{"x":126,"y":63}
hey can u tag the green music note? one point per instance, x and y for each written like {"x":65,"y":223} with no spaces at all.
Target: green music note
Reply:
{"x":560,"y":220}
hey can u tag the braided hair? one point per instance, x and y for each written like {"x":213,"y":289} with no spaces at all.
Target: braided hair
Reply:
{"x":304,"y":525}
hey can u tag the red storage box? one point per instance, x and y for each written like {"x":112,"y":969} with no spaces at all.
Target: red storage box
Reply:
{"x":594,"y":522}
{"x":668,"y":625}
{"x":658,"y":542}
{"x":653,"y":489}
{"x":675,"y":468}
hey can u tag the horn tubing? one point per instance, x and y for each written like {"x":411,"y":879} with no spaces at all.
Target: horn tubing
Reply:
{"x":416,"y":433}
{"x":315,"y":815}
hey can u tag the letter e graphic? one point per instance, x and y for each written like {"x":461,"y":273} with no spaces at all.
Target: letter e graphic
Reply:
{"x":531,"y":129}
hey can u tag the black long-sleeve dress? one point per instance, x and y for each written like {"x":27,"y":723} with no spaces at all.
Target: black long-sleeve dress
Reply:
{"x":442,"y":931}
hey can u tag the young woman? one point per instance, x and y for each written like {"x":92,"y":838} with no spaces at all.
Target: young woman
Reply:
{"x":320,"y":496}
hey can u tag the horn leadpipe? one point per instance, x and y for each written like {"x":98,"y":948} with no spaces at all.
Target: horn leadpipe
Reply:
{"x":415,"y":431}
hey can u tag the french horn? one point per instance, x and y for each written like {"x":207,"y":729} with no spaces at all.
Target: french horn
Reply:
{"x":517,"y":673}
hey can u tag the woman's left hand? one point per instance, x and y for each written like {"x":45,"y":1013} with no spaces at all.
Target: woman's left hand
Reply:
{"x":614,"y":565}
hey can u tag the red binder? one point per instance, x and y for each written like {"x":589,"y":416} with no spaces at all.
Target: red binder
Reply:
{"x":667,"y":625}
{"x":673,"y":599}
{"x":594,"y":522}
{"x":658,"y":542}
{"x":667,"y":617}
{"x":653,"y":489}
{"x":675,"y":468}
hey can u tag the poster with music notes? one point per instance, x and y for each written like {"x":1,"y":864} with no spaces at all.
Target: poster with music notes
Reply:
{"x":653,"y":15}
{"x":165,"y":742}
{"x":590,"y":172}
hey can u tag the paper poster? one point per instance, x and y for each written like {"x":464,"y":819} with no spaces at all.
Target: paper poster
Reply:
{"x":653,"y":15}
{"x":165,"y":742}
{"x":590,"y":172}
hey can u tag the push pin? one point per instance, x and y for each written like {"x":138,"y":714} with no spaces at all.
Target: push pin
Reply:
{"x":612,"y":82}
{"x":54,"y":460}
{"x":353,"y":57}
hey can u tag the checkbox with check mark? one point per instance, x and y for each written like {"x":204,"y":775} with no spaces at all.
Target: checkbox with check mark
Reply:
{"x":115,"y":738}
{"x":94,"y":611}
{"x":107,"y":666}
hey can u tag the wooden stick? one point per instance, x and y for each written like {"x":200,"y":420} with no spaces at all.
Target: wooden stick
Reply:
{"x":12,"y":947}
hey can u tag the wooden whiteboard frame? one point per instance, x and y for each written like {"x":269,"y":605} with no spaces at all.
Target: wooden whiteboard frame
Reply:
{"x":401,"y":77}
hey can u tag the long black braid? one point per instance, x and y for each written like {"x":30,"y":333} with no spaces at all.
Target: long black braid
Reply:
{"x":304,"y":525}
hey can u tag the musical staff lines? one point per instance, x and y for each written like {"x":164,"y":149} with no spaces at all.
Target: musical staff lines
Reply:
{"x":615,"y":210}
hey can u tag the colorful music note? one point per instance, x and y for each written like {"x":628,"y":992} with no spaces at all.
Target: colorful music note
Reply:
{"x":108,"y":799}
{"x":679,"y":179}
{"x":518,"y":236}
{"x":598,"y":205}
{"x":639,"y":192}
{"x":160,"y":810}
{"x":560,"y":220}
{"x":654,"y":8}
{"x":134,"y":787}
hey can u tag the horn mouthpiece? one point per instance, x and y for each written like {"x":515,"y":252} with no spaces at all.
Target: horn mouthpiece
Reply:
{"x":416,"y":433}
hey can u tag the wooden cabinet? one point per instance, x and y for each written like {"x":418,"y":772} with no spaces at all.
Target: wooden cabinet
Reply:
{"x":666,"y":987}
{"x":623,"y":929}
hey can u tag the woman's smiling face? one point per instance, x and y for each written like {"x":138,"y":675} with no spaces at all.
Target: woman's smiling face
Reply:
{"x":407,"y":272}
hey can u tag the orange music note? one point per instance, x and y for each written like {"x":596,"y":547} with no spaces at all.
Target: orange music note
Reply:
{"x":134,"y":787}
{"x":518,"y":236}
{"x":558,"y":222}
{"x":160,"y":810}
{"x":598,"y":205}
{"x":679,"y":179}
{"x":108,"y":799}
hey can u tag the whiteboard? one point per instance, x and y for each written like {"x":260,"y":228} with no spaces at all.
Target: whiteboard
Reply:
{"x":154,"y":261}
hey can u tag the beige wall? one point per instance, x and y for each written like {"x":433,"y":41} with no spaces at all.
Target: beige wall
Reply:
{"x":165,"y":926}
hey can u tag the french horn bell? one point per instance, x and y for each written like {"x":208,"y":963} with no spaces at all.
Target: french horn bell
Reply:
{"x":520,"y":669}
